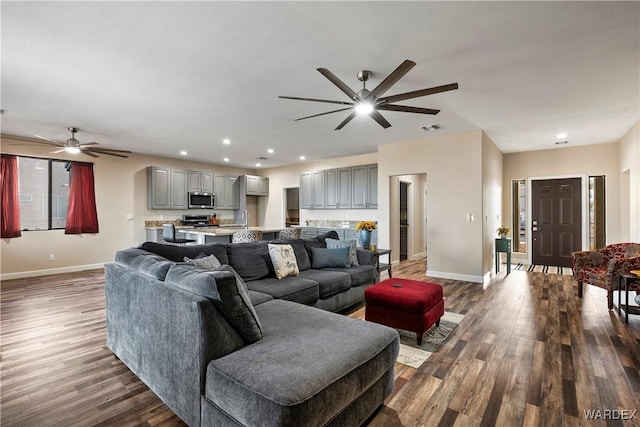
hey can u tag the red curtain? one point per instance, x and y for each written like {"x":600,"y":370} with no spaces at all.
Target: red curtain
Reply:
{"x":9,"y":187}
{"x":82,"y":215}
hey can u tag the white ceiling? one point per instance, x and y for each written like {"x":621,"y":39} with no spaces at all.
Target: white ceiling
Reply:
{"x":160,"y":77}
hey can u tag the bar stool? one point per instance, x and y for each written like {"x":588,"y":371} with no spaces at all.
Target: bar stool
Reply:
{"x":290,"y":233}
{"x":169,"y":235}
{"x":246,"y":236}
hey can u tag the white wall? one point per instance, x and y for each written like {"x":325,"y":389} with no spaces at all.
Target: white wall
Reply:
{"x":121,"y":189}
{"x":453,"y":167}
{"x":491,"y":200}
{"x":629,"y":170}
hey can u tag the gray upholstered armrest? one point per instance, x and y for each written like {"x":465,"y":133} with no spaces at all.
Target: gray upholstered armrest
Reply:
{"x":366,"y":257}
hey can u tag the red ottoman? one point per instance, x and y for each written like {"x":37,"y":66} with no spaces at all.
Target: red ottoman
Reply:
{"x":405,"y":304}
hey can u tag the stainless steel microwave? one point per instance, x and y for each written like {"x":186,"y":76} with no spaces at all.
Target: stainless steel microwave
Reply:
{"x":198,"y":200}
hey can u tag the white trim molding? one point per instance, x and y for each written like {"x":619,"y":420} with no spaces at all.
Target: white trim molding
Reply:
{"x":50,"y":271}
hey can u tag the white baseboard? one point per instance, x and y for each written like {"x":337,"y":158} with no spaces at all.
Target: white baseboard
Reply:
{"x":455,"y":276}
{"x":50,"y":271}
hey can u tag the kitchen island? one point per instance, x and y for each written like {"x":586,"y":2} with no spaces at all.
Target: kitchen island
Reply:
{"x":224,"y":234}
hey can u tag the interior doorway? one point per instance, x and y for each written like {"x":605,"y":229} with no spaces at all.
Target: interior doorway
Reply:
{"x":404,"y":219}
{"x":407,"y":221}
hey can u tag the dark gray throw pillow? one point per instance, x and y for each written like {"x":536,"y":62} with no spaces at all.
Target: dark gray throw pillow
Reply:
{"x":323,"y":258}
{"x":229,"y":295}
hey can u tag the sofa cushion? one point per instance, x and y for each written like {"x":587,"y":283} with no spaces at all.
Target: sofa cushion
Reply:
{"x":284,"y":260}
{"x":329,"y":282}
{"x":249,"y":259}
{"x":296,"y":289}
{"x":258,"y":297}
{"x":350,"y":244}
{"x":360,"y":274}
{"x":177,"y":253}
{"x":209,"y":262}
{"x":302,"y":256}
{"x":149,"y":264}
{"x":227,"y":291}
{"x":322,"y":257}
{"x":310,"y":365}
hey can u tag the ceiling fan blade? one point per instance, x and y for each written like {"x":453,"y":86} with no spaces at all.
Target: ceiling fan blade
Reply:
{"x":103,"y":149}
{"x":339,"y":83}
{"x":375,"y":115}
{"x":89,"y":144}
{"x":59,"y":144}
{"x":322,"y":114}
{"x":62,"y":150}
{"x":317,"y":100}
{"x":392,"y":79}
{"x":108,"y":152}
{"x":345,"y":121}
{"x":407,"y":109}
{"x":418,"y":93}
{"x":88,"y":153}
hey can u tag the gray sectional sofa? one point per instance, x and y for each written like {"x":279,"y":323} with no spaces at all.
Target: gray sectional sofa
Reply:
{"x":236,"y":346}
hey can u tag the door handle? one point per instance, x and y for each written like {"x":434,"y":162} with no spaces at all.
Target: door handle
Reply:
{"x":534,"y":228}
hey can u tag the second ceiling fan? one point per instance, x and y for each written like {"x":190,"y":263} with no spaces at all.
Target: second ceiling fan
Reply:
{"x":372,"y":102}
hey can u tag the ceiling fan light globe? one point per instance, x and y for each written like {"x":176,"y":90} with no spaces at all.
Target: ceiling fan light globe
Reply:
{"x":72,"y":150}
{"x":364,"y":108}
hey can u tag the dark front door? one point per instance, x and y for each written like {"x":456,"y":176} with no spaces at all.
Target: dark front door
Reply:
{"x":556,"y":220}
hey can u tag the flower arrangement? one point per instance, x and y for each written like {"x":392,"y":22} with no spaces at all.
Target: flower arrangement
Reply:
{"x":366,"y":225}
{"x":503,"y":231}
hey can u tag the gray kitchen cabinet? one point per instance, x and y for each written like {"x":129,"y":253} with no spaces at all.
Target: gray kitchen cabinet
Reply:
{"x":364,"y":187}
{"x":308,"y":232}
{"x":200,"y":181}
{"x":317,"y":190}
{"x":256,"y":185}
{"x":166,"y":188}
{"x":338,"y":188}
{"x":226,"y":191}
{"x":306,"y":190}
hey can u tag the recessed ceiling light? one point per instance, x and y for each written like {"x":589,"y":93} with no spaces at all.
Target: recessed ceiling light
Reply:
{"x":303,"y":158}
{"x":561,"y":135}
{"x":226,"y":159}
{"x":184,"y":153}
{"x":258,"y":165}
{"x":226,"y":141}
{"x":270,"y":151}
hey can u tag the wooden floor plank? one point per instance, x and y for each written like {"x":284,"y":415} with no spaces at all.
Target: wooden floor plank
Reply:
{"x":528,"y":352}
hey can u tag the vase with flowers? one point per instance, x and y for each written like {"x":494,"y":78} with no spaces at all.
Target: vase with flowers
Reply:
{"x":503,"y":231}
{"x":365,"y":228}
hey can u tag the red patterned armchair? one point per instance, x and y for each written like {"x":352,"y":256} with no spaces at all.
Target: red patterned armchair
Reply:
{"x":602,"y":267}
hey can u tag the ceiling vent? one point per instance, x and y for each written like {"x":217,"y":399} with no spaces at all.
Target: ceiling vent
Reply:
{"x":430,"y":128}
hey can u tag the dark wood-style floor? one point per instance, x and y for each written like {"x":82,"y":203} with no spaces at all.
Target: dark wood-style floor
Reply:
{"x":528,"y":352}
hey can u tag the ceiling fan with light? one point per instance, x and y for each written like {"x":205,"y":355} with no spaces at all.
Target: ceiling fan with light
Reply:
{"x":73,"y":146}
{"x":372,"y":102}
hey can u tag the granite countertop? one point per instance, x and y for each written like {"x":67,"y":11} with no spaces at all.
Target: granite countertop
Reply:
{"x":226,"y":231}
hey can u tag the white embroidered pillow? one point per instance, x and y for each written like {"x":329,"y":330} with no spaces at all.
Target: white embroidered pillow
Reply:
{"x":284,"y":260}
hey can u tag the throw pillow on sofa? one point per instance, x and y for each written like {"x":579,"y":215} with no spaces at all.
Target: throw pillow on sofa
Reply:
{"x":284,"y":260}
{"x":209,"y":262}
{"x":229,"y":295}
{"x":323,"y":257}
{"x":350,"y":244}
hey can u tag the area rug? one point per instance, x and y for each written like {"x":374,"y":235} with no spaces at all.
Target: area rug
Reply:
{"x":414,"y":355}
{"x":548,"y":269}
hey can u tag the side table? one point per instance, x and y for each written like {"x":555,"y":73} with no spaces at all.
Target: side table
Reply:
{"x":627,"y":278}
{"x":503,"y":245}
{"x":383,"y":266}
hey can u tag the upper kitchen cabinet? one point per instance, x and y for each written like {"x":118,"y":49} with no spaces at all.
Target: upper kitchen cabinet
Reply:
{"x":226,"y":191}
{"x":312,"y":190}
{"x":338,"y":188}
{"x":256,"y":185}
{"x":200,"y":181}
{"x":364,"y":187}
{"x":166,"y":188}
